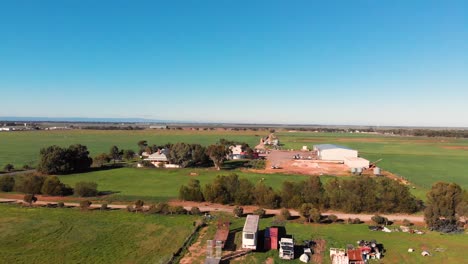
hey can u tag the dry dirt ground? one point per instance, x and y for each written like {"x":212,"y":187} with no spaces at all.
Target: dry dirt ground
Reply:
{"x":307,"y":165}
{"x":197,"y":250}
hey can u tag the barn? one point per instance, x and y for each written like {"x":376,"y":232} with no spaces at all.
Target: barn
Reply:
{"x":334,"y":152}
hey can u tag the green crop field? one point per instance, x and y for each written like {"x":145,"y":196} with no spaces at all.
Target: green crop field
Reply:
{"x":153,"y":185}
{"x":422,"y":160}
{"x":48,"y":235}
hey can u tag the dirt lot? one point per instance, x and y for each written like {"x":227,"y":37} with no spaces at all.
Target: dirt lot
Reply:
{"x":306,"y":165}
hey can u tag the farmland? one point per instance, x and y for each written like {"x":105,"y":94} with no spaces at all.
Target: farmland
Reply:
{"x":422,"y":160}
{"x":44,"y":235}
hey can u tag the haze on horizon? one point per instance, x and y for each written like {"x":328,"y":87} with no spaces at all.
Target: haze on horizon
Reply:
{"x":303,"y":62}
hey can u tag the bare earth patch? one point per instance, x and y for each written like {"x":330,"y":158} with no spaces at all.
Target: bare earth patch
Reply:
{"x":197,"y":250}
{"x":456,"y":147}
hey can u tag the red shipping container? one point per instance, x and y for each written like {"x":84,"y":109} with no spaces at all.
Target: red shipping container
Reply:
{"x":267,"y":243}
{"x":273,"y":237}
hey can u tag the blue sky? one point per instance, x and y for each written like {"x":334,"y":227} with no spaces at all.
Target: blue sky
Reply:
{"x":310,"y":62}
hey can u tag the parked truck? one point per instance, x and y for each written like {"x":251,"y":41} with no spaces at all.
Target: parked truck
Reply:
{"x":286,"y":248}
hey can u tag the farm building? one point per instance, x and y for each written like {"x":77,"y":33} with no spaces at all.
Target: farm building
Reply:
{"x":334,"y":152}
{"x":354,"y":162}
{"x":249,"y":233}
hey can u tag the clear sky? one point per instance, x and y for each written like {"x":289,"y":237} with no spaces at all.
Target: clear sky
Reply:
{"x":312,"y":62}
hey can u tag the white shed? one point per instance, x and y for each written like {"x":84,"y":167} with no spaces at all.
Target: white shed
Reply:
{"x":354,"y":162}
{"x":334,"y":152}
{"x":249,"y":233}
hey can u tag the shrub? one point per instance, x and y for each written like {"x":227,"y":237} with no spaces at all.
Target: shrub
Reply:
{"x":238,"y":211}
{"x":130,"y":208}
{"x":9,"y":167}
{"x":333,"y":218}
{"x":356,"y":221}
{"x":30,"y":198}
{"x":159,"y":208}
{"x":177,"y":209}
{"x":285,"y":214}
{"x":29,"y":183}
{"x":257,"y":164}
{"x":104,"y":206}
{"x":260,"y":212}
{"x":315,"y":215}
{"x":7,"y":183}
{"x":407,"y":222}
{"x":26,"y":167}
{"x":52,"y":186}
{"x":84,"y":205}
{"x":86,"y":189}
{"x":379,"y":220}
{"x":139,"y":205}
{"x":60,"y":205}
{"x":195,"y":211}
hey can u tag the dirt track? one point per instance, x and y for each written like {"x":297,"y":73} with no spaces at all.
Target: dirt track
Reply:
{"x":210,"y":207}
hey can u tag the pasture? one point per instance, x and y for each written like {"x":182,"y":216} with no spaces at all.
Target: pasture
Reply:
{"x":421,"y":160}
{"x":48,"y":235}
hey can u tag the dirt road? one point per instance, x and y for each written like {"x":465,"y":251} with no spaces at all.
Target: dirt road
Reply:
{"x":210,"y":207}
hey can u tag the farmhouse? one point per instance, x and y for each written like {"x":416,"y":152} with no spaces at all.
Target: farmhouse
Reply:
{"x":236,"y":152}
{"x":334,"y":152}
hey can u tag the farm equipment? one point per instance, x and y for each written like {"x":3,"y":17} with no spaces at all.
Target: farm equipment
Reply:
{"x":286,"y":248}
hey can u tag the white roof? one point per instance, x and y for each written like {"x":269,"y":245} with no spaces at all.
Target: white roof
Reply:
{"x":330,"y":146}
{"x":251,"y":223}
{"x":158,"y":155}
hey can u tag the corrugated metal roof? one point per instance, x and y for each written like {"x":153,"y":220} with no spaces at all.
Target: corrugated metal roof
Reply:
{"x":330,"y":146}
{"x":251,"y":223}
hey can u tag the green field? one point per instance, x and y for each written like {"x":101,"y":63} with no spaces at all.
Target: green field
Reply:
{"x":154,"y":185}
{"x":422,"y":160}
{"x":47,"y":235}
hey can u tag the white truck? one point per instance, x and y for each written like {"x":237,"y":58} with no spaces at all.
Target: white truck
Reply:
{"x":286,"y":248}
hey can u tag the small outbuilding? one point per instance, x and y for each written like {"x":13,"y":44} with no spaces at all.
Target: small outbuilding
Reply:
{"x":356,"y":162}
{"x":334,"y":152}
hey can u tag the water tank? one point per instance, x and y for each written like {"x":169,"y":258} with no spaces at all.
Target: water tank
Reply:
{"x":353,"y":170}
{"x":359,"y":171}
{"x":377,"y":171}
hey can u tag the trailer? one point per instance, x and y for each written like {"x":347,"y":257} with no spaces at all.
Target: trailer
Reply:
{"x":250,"y":232}
{"x":222,"y":232}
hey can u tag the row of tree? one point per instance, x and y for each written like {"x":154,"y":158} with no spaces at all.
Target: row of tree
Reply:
{"x":58,"y":160}
{"x":355,"y":195}
{"x":47,"y":185}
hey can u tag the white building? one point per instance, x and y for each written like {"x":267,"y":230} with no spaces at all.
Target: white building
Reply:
{"x":250,"y":231}
{"x":236,"y":152}
{"x":334,"y":152}
{"x":354,"y":162}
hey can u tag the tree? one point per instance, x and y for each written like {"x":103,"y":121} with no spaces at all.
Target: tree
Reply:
{"x":305,"y":210}
{"x":9,"y":167}
{"x":128,"y":154}
{"x":7,"y":183}
{"x":86,"y":189}
{"x":142,"y":144}
{"x":260,"y":212}
{"x":115,"y":153}
{"x":441,"y":205}
{"x":313,"y":192}
{"x":265,"y":196}
{"x":192,"y":192}
{"x":57,"y":160}
{"x":52,"y":186}
{"x":238,"y":211}
{"x":315,"y":215}
{"x":217,"y":154}
{"x":101,"y":159}
{"x":333,"y":218}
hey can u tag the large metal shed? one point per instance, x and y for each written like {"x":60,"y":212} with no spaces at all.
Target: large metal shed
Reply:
{"x":334,"y":152}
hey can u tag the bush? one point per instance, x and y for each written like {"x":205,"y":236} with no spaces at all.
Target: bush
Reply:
{"x":7,"y":183}
{"x":177,"y":209}
{"x":159,"y":208}
{"x":130,"y":208}
{"x":104,"y":206}
{"x":60,"y":205}
{"x":30,"y":198}
{"x":29,"y":183}
{"x":9,"y":167}
{"x":195,"y":211}
{"x":86,"y":189}
{"x":407,"y":222}
{"x":357,"y":221}
{"x":260,"y":212}
{"x":84,"y":205}
{"x":52,"y":186}
{"x":333,"y":218}
{"x":285,"y":214}
{"x":379,"y":220}
{"x":139,"y":205}
{"x":238,"y":211}
{"x":257,"y":164}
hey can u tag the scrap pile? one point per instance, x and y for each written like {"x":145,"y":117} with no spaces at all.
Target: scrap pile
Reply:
{"x":360,"y":255}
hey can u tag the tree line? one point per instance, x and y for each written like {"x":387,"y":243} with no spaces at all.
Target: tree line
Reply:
{"x":363,"y":194}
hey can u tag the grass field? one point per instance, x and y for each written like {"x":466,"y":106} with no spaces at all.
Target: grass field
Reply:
{"x":43,"y":235}
{"x":396,"y":244}
{"x":422,"y":160}
{"x":153,"y":185}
